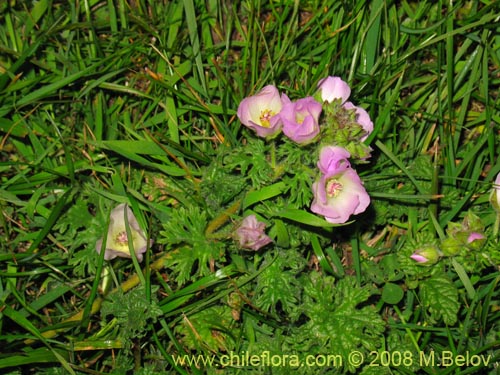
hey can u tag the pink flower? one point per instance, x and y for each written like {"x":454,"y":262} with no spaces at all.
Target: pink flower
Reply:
{"x":251,"y":234}
{"x":300,"y":119}
{"x":333,"y":88}
{"x":117,"y":242}
{"x":362,"y":118}
{"x":339,"y":193}
{"x":260,"y":112}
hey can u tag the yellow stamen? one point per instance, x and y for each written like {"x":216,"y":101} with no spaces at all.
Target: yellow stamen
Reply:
{"x":265,"y":118}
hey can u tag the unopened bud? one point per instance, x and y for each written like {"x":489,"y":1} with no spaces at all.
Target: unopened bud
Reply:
{"x":427,"y":255}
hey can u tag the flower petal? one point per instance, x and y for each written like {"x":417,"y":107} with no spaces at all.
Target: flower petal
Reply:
{"x":333,"y":160}
{"x":333,"y":88}
{"x":362,"y":118}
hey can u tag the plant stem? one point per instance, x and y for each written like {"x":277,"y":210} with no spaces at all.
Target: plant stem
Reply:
{"x":220,"y":220}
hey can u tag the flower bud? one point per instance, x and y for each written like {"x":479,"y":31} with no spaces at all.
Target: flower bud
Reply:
{"x":472,"y":222}
{"x":475,"y":240}
{"x":427,"y":255}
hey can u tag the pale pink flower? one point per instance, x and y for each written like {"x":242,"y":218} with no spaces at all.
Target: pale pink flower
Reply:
{"x":333,"y":88}
{"x":260,"y":112}
{"x":339,"y":193}
{"x":117,"y":241}
{"x":476,"y":240}
{"x":419,"y":258}
{"x":333,"y":158}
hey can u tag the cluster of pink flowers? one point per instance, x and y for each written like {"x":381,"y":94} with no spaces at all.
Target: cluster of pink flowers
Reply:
{"x":338,"y":191}
{"x":268,"y":112}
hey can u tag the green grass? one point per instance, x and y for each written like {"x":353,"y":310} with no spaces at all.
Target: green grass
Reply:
{"x":115,"y":101}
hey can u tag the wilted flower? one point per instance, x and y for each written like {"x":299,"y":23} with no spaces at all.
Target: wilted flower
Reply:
{"x":362,"y":118}
{"x":339,"y":193}
{"x":260,"y":112}
{"x":300,"y":119}
{"x":117,"y":242}
{"x":251,"y":234}
{"x":495,"y":194}
{"x":427,"y":255}
{"x":333,"y":88}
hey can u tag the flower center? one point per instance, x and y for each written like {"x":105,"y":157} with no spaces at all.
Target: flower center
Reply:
{"x":122,"y":238}
{"x":265,"y":118}
{"x":299,"y":118}
{"x":333,"y":188}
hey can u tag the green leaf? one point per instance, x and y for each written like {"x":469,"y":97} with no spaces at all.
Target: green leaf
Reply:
{"x":282,"y":236}
{"x":278,"y":284}
{"x":320,"y":255}
{"x":392,"y":293}
{"x":186,"y":230}
{"x":340,"y":320}
{"x":208,"y":329}
{"x":440,"y":296}
{"x":133,"y":312}
{"x":28,"y":325}
{"x":306,"y":218}
{"x":58,"y":83}
{"x":265,"y":193}
{"x":133,"y":150}
{"x":51,"y":220}
{"x":17,"y":129}
{"x":40,"y":355}
{"x":171,"y":304}
{"x":146,"y":147}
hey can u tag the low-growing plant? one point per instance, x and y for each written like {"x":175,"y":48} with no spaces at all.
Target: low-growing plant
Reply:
{"x":249,"y":187}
